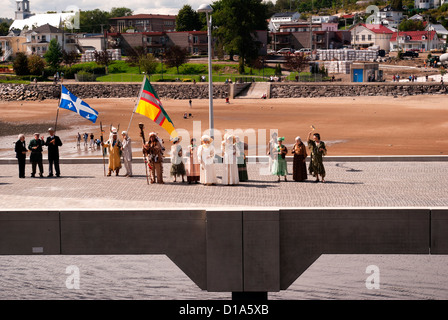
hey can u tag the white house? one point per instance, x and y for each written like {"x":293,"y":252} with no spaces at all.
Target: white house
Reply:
{"x":442,"y":33}
{"x":282,"y":18}
{"x":428,"y":4}
{"x":415,"y":40}
{"x":24,"y":19}
{"x":38,"y":40}
{"x":367,"y":35}
{"x":389,"y":17}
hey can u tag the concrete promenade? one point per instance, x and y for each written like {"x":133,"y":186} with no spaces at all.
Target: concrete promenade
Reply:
{"x":391,"y":182}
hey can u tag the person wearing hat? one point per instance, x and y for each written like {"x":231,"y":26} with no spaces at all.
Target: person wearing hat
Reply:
{"x":114,"y":147}
{"x":318,"y":151}
{"x":21,"y":151}
{"x":36,"y":148}
{"x":279,"y":165}
{"x":177,"y":164}
{"x":299,"y":164}
{"x":53,"y":143}
{"x":193,"y":167}
{"x":206,"y":156}
{"x":154,"y":150}
{"x":126,"y":149}
{"x":228,"y":148}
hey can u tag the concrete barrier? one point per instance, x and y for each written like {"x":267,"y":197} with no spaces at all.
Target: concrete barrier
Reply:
{"x":223,"y":250}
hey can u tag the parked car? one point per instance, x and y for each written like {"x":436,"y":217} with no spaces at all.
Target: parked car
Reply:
{"x":305,"y":51}
{"x":270,"y":51}
{"x":409,"y":54}
{"x":285,"y":51}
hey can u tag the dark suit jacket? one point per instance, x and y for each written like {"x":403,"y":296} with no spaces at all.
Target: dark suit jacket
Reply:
{"x":20,"y":148}
{"x":53,"y":149}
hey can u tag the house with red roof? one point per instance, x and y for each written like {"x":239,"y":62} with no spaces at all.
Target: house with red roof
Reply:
{"x":415,"y":40}
{"x":367,"y":35}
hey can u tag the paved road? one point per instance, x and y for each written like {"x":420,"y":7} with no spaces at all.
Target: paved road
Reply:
{"x":349,"y":184}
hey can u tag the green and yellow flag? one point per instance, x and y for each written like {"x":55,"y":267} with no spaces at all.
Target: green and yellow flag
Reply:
{"x":150,"y":106}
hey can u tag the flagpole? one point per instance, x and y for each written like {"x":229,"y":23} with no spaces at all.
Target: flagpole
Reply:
{"x":57,"y":113}
{"x":136,"y":104}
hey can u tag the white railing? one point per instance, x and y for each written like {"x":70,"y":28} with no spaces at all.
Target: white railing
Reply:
{"x":6,"y":55}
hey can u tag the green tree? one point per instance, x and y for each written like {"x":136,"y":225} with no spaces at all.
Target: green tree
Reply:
{"x":69,"y":58}
{"x":102,"y":58}
{"x":94,"y":21}
{"x":4,"y":28}
{"x":120,"y":12}
{"x":237,"y":22}
{"x":53,"y":56}
{"x":188,"y":19}
{"x":148,"y":64}
{"x":20,"y":64}
{"x":176,"y":56}
{"x":36,"y":65}
{"x":411,"y":25}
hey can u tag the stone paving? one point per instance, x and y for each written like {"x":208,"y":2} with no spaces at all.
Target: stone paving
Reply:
{"x":349,"y":184}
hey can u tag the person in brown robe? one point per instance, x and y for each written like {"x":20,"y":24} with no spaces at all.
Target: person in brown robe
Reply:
{"x":299,"y":165}
{"x":154,"y":150}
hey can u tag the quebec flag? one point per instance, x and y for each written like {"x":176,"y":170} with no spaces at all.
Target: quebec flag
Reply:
{"x":73,"y":103}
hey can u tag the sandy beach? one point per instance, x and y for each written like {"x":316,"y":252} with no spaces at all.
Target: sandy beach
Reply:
{"x":415,"y":125}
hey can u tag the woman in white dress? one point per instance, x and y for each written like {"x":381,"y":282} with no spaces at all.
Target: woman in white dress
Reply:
{"x":228,"y":148}
{"x":127,"y":153}
{"x":206,"y":155}
{"x":272,"y":152}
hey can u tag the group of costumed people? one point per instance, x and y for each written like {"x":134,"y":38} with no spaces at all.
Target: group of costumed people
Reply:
{"x":200,"y":164}
{"x":277,"y":157}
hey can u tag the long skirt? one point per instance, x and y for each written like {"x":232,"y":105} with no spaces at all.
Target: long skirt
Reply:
{"x":177,"y":170}
{"x":279,"y":167}
{"x":242,"y":169}
{"x":299,"y":168}
{"x":316,"y":166}
{"x":193,"y":171}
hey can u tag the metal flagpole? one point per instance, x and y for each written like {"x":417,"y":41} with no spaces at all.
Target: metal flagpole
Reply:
{"x":57,"y":113}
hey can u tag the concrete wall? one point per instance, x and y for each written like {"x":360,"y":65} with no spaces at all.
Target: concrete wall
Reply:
{"x":229,"y":250}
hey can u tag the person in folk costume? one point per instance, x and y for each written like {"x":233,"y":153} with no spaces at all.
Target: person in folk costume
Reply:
{"x":36,"y":148}
{"x":206,"y":155}
{"x":154,"y":150}
{"x":279,"y":165}
{"x":241,"y":159}
{"x":272,"y":149}
{"x":21,"y":150}
{"x":113,"y":145}
{"x":193,"y":166}
{"x":177,"y":164}
{"x":126,"y":149}
{"x":228,"y":149}
{"x":299,"y":165}
{"x":318,"y":151}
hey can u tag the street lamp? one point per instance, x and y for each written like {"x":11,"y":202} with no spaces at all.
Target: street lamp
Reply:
{"x":208,"y":10}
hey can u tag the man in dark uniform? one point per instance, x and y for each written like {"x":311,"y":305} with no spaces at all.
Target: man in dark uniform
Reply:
{"x":53,"y":143}
{"x":36,"y":149}
{"x":21,"y":151}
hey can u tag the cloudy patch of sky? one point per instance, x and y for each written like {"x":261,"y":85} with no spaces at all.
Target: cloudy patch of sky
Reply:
{"x":138,"y":6}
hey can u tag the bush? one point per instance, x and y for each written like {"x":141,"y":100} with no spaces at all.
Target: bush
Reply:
{"x":83,"y":76}
{"x":36,"y":65}
{"x":20,"y":64}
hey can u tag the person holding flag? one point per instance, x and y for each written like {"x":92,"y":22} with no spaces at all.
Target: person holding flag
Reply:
{"x":114,"y":147}
{"x":53,"y":143}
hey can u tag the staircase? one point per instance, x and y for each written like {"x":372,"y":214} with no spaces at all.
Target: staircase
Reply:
{"x":256,"y":90}
{"x":6,"y":55}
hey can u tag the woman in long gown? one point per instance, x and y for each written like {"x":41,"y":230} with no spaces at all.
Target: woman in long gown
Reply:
{"x":127,"y":153}
{"x":206,"y":155}
{"x":177,"y":164}
{"x":193,"y":166}
{"x":279,"y":165}
{"x":241,"y":159}
{"x":272,"y":150}
{"x":230,"y":176}
{"x":318,"y":151}
{"x":299,"y":164}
